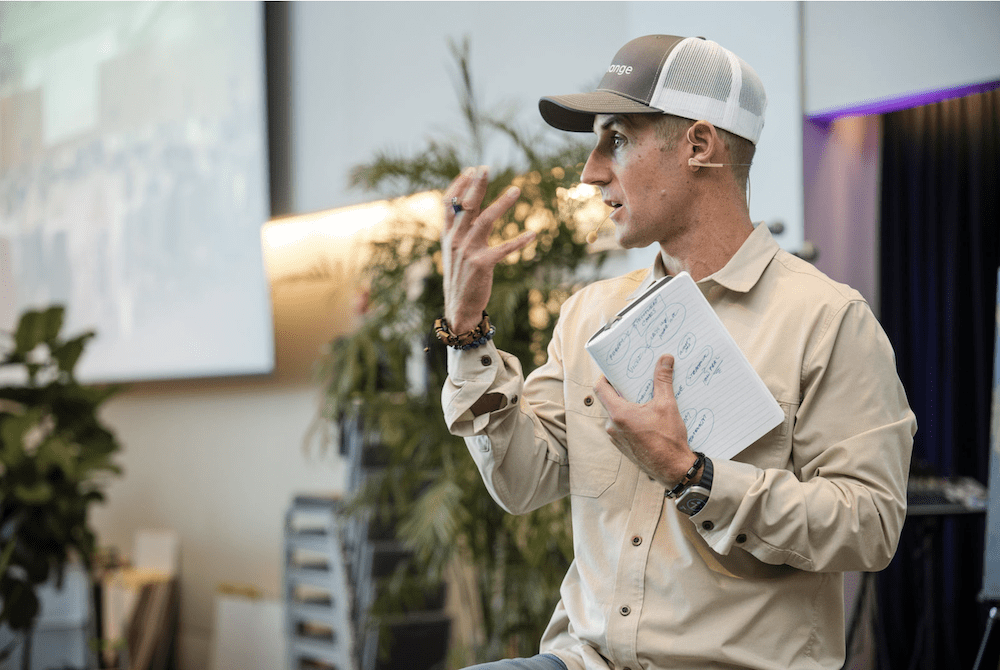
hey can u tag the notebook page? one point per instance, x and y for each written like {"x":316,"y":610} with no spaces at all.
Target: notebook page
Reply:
{"x":725,"y":405}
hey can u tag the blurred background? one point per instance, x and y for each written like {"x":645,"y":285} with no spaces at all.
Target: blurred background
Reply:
{"x":178,"y":175}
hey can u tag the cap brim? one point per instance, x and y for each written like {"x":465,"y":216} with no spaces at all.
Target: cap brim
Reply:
{"x":575,"y":112}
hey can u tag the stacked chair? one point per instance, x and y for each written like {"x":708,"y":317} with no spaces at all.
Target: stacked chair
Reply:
{"x":337,"y":561}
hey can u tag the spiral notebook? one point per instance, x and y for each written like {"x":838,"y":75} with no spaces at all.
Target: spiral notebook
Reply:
{"x":724,"y":403}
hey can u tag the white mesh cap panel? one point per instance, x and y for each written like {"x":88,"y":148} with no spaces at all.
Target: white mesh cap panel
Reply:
{"x":752,"y":96}
{"x":702,"y":80}
{"x":695,"y":69}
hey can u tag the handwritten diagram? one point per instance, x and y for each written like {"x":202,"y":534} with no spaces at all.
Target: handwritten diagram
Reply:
{"x":649,"y":336}
{"x":724,"y":404}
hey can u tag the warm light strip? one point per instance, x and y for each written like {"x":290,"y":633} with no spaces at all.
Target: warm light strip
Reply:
{"x":296,"y":242}
{"x":293,"y":243}
{"x":338,"y":223}
{"x":343,"y":222}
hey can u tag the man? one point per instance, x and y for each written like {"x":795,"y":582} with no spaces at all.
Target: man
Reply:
{"x":680,"y":561}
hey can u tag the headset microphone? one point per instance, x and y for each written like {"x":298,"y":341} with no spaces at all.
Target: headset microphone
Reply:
{"x":592,"y":235}
{"x":696,"y":163}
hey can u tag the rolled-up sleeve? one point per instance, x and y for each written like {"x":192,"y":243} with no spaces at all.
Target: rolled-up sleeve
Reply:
{"x":842,"y":503}
{"x":518,"y":445}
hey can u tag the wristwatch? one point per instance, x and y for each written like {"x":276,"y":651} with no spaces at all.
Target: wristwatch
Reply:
{"x":694,"y":497}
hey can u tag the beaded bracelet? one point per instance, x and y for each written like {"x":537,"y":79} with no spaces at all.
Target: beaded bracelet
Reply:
{"x":476,"y":337}
{"x":688,"y":476}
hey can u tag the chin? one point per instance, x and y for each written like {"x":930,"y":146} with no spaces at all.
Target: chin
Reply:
{"x":627,"y":242}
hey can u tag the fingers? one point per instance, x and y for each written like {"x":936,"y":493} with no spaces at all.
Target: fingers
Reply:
{"x":468,"y":190}
{"x":457,"y":190}
{"x":501,"y":251}
{"x":469,"y":224}
{"x":608,"y":396}
{"x":475,"y":190}
{"x":483,"y":224}
{"x":663,"y":376}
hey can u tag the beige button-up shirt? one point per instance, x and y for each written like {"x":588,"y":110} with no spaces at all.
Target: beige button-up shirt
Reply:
{"x":754,"y":580}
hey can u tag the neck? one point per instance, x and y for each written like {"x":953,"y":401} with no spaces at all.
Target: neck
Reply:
{"x":710,"y":240}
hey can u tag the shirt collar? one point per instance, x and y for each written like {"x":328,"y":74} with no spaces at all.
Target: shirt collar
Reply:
{"x":748,"y":263}
{"x":739,"y":274}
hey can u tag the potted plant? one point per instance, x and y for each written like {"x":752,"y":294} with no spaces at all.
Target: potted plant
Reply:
{"x":55,"y":456}
{"x":430,"y":486}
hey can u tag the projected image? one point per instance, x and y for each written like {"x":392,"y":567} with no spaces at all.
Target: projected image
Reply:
{"x":133,"y":182}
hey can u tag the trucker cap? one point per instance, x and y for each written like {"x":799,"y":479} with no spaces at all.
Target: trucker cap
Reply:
{"x":689,"y":77}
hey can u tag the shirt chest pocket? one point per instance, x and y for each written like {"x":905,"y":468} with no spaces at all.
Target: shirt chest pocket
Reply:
{"x":594,"y":461}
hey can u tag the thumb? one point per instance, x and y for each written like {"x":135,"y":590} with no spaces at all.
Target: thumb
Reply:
{"x":663,"y":377}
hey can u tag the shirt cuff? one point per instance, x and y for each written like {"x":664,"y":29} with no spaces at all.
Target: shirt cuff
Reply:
{"x":730,"y":483}
{"x":466,"y":396}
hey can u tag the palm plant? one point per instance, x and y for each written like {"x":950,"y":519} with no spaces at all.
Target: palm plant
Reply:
{"x":431,"y":486}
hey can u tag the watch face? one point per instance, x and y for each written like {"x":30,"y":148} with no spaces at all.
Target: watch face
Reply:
{"x":692,"y":500}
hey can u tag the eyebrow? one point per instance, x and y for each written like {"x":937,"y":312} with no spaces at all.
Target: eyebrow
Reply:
{"x":620,"y":119}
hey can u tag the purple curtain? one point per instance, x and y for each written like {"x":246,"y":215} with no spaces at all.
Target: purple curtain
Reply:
{"x":940,"y":250}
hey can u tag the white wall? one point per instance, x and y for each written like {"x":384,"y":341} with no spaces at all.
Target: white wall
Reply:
{"x":862,"y":51}
{"x":371,"y":76}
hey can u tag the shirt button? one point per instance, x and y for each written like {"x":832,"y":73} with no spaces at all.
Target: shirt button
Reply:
{"x":625,"y":610}
{"x":588,"y":401}
{"x":708,"y":525}
{"x":741,"y":538}
{"x":486,"y":361}
{"x":636,"y":540}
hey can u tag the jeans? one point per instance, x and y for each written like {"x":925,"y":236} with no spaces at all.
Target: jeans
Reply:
{"x":539,"y":662}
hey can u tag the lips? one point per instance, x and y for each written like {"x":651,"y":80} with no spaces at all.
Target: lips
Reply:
{"x":616,"y":206}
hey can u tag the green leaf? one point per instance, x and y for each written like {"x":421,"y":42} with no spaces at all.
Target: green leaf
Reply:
{"x":8,"y":552}
{"x":55,"y":451}
{"x":20,"y":605}
{"x":13,"y":428}
{"x":30,"y":332}
{"x":36,"y":493}
{"x":37,"y":327}
{"x":52,"y":323}
{"x":68,"y":354}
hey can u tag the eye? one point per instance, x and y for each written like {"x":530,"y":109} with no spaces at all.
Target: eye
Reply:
{"x":617,"y":140}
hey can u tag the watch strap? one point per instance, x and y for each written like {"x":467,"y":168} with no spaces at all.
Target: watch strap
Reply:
{"x":707,"y":474}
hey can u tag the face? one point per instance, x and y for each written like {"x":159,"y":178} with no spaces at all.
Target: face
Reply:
{"x":644,"y":183}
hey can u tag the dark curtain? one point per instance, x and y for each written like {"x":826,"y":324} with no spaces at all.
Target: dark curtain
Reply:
{"x":940,"y":250}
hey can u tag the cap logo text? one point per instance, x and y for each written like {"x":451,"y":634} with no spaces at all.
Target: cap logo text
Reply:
{"x":620,"y":69}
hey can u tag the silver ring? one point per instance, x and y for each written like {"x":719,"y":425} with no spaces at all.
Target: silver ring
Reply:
{"x":456,"y":206}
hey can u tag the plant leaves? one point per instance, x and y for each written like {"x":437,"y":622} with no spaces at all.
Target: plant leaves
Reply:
{"x":431,"y":485}
{"x":52,"y":323}
{"x":35,"y":493}
{"x":30,"y":332}
{"x":53,"y":449}
{"x":8,"y":553}
{"x":68,"y":353}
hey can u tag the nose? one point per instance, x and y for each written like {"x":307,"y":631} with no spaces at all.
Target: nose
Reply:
{"x":595,"y":172}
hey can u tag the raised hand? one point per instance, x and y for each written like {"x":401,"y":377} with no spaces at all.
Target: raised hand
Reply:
{"x":468,"y":258}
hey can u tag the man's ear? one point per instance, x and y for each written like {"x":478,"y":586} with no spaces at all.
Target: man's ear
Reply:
{"x":704,"y":143}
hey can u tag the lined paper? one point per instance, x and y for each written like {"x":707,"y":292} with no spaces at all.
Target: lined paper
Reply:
{"x":724,"y":403}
